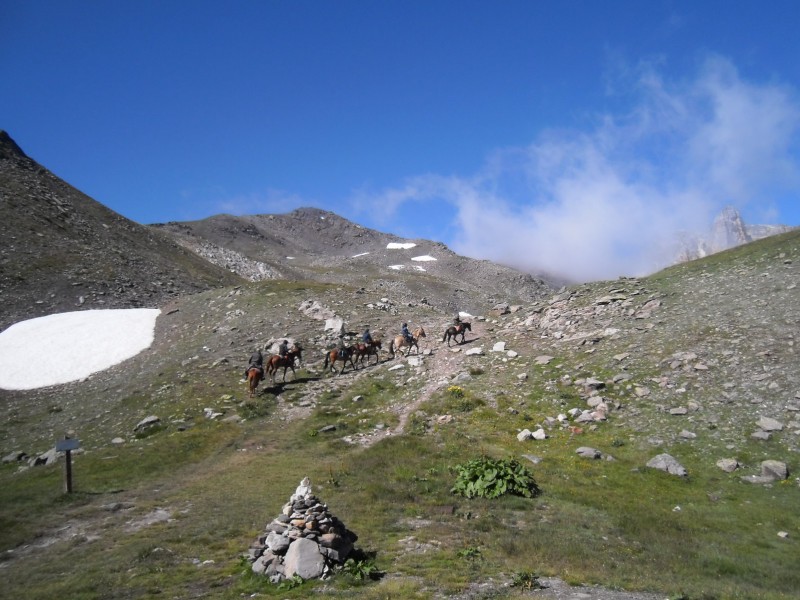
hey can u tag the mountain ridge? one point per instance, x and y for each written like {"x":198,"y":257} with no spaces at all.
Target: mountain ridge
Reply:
{"x":65,"y":251}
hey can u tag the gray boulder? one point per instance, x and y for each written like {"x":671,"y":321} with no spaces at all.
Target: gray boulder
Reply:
{"x":587,"y":452}
{"x":768,"y":424}
{"x":729,"y":465}
{"x":665,"y":462}
{"x":304,"y":559}
{"x":146,"y":423}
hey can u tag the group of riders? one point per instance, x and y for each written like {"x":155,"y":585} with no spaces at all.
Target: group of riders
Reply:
{"x":257,"y":359}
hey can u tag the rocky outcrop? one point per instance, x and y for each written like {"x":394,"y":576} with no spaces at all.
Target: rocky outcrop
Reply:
{"x":728,"y":231}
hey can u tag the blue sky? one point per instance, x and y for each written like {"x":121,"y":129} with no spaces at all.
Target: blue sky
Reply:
{"x":576,"y":137}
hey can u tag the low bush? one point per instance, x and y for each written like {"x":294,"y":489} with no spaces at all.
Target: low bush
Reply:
{"x":486,"y":477}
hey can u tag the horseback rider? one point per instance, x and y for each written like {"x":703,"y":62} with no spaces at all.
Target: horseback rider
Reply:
{"x":341,"y":348}
{"x":406,"y":333}
{"x":256,"y":361}
{"x":283,"y":349}
{"x":366,"y":337}
{"x":457,"y":322}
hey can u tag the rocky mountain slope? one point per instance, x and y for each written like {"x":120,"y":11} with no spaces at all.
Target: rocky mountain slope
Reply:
{"x":698,"y":362}
{"x":317,"y":245}
{"x":64,"y":251}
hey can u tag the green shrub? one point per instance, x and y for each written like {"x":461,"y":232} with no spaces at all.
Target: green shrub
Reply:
{"x":490,"y":478}
{"x":526,"y":580}
{"x":455,"y":391}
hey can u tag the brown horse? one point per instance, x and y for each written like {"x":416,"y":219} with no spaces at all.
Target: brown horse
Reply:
{"x":343,"y":354}
{"x":399,"y":341}
{"x":362,"y":351}
{"x":254,"y":375}
{"x":275,"y":362}
{"x":456,"y":330}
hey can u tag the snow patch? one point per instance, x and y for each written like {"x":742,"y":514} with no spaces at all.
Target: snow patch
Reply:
{"x":86,"y":342}
{"x":397,"y":267}
{"x":418,"y":268}
{"x":424,"y":258}
{"x":400,"y":246}
{"x":357,"y":255}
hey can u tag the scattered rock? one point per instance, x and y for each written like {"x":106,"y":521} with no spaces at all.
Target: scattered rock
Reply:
{"x":587,"y":452}
{"x":768,"y":424}
{"x":146,"y":423}
{"x":771,"y":471}
{"x":15,"y":456}
{"x":665,"y":462}
{"x":729,"y":465}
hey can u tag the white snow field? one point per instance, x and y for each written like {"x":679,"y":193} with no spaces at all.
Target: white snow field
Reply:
{"x":70,"y":346}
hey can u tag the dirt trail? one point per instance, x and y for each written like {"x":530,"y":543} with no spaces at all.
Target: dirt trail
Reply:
{"x":439,"y":365}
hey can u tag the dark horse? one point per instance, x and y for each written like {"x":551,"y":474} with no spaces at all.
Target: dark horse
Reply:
{"x":275,"y":362}
{"x":254,"y":375}
{"x":399,"y":341}
{"x":362,"y":351}
{"x":342,"y":354}
{"x":456,"y":330}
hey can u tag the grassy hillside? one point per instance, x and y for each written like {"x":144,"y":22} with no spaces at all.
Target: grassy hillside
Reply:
{"x":169,"y":512}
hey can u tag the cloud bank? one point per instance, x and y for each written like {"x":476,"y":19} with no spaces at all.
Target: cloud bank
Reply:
{"x":612,"y":200}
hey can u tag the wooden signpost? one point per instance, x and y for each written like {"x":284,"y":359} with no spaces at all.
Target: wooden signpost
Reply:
{"x":67,"y":445}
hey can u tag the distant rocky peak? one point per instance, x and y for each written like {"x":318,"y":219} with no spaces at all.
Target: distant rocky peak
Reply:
{"x":728,"y":230}
{"x":9,"y":148}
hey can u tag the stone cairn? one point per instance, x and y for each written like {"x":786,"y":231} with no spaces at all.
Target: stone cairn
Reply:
{"x":304,"y":540}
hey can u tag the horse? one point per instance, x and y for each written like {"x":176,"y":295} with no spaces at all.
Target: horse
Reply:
{"x":342,"y":354}
{"x":275,"y":362}
{"x":400,"y":341}
{"x":254,"y":375}
{"x":363,"y":351}
{"x":455,"y":330}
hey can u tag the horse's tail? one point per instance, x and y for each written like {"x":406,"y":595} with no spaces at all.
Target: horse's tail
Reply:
{"x":391,"y":346}
{"x":327,"y":356}
{"x":444,"y":337}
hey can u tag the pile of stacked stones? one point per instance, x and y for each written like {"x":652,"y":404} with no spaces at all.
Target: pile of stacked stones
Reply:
{"x":304,"y":540}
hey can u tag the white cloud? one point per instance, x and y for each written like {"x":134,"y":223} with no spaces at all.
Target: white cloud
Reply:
{"x":610,"y":201}
{"x":269,"y":202}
